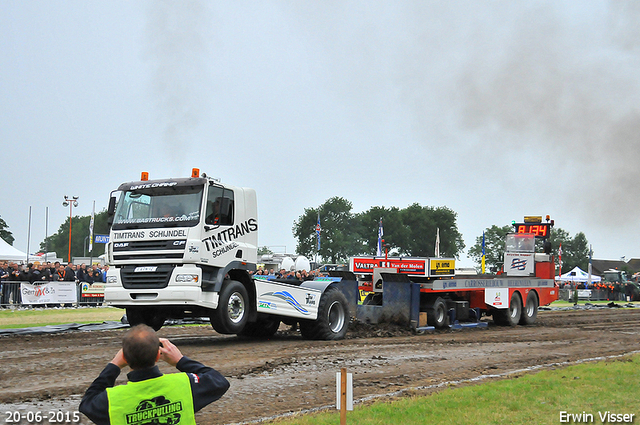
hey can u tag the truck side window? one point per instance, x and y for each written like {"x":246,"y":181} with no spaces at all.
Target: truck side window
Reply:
{"x":219,"y":207}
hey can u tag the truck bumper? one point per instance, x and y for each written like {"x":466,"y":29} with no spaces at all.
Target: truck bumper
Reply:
{"x":187,"y":294}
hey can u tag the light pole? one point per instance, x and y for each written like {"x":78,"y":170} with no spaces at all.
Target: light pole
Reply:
{"x":70,"y":202}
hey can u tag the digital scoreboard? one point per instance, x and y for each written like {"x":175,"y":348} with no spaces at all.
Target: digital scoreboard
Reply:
{"x":540,"y":230}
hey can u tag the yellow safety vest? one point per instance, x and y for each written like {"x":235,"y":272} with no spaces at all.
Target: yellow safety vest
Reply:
{"x":166,"y":399}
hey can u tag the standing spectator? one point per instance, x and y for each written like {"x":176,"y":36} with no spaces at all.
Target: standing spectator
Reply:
{"x":96,"y":275}
{"x":105,"y":269}
{"x":45,"y":270}
{"x":81,"y":273}
{"x":69,"y":273}
{"x":4,"y":276}
{"x":16,"y":275}
{"x":59,"y":275}
{"x":34,"y":275}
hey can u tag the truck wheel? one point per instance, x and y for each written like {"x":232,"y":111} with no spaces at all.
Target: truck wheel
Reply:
{"x":509,"y":316}
{"x":333,"y":317}
{"x":437,"y":314}
{"x":530,"y":312}
{"x":148,"y":316}
{"x":232,"y":313}
{"x":263,"y":328}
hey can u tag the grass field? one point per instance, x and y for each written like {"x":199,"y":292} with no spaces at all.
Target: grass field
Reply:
{"x":546,"y":397}
{"x":11,"y":319}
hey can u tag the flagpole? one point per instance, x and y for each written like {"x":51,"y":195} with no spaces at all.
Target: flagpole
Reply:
{"x":483,"y":254}
{"x":318,"y":229}
{"x":380,"y":240}
{"x":93,"y":214}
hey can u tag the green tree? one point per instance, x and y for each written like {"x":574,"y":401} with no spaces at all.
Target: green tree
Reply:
{"x":5,"y":234}
{"x":59,"y":241}
{"x":421,"y":225}
{"x":575,"y":251}
{"x":263,"y":250}
{"x":338,"y":239}
{"x":393,"y":229}
{"x":494,"y":246}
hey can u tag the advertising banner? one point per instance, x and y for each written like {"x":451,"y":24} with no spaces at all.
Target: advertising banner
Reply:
{"x":49,"y":293}
{"x":519,"y":264}
{"x":92,"y":290}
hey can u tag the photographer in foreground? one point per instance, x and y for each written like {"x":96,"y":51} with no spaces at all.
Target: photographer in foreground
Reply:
{"x":150,"y":396}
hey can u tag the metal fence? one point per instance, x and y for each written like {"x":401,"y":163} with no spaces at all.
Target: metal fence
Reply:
{"x":567,"y":294}
{"x":11,"y":296}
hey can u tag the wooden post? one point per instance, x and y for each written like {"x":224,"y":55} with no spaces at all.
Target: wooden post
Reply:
{"x":343,"y":396}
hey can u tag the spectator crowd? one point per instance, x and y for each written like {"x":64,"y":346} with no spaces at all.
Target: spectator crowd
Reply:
{"x":37,"y":273}
{"x":291,"y":274}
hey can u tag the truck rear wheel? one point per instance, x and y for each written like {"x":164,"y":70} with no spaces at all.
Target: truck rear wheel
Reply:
{"x":232,"y":313}
{"x":265,"y":327}
{"x":530,"y":312}
{"x":148,"y":316}
{"x":509,"y":316}
{"x":437,"y":314}
{"x":333,"y":317}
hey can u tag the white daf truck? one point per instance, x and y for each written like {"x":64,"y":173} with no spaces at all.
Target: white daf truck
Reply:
{"x":185,"y":247}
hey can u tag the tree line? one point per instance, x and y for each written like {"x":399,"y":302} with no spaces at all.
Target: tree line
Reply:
{"x":410,"y":231}
{"x":58,"y":242}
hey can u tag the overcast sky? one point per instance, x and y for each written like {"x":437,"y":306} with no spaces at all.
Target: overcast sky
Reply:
{"x":495,"y":110}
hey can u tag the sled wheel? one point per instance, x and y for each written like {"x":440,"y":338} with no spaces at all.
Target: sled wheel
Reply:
{"x":333,"y":317}
{"x":509,"y":316}
{"x":437,"y":314}
{"x":148,"y":316}
{"x":530,"y":312}
{"x":232,"y":313}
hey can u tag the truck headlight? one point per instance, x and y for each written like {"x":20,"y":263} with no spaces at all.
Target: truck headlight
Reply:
{"x":187,"y":278}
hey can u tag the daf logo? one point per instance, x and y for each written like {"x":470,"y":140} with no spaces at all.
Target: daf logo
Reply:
{"x":179,"y":243}
{"x":121,"y":244}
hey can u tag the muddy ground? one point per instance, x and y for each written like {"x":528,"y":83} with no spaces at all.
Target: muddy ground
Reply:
{"x":289,"y":374}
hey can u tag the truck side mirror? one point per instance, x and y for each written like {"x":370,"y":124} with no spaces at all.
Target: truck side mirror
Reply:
{"x":111,"y":210}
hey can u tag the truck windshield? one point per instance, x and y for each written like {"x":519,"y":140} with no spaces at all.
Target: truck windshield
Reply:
{"x":176,"y":206}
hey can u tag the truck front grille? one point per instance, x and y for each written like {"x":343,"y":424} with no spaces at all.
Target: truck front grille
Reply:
{"x":146,"y":277}
{"x":149,"y":250}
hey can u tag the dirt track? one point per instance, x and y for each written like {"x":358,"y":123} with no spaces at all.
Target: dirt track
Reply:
{"x":288,"y":374}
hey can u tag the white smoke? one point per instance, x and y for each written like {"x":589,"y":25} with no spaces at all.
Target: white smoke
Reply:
{"x":177,"y":52}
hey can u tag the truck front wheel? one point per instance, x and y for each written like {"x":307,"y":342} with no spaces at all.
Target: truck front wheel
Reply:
{"x":333,"y":317}
{"x":232,"y":313}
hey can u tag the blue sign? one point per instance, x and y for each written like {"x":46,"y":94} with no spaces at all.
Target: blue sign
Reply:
{"x":102,"y":238}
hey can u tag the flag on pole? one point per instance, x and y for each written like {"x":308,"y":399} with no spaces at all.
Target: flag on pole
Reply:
{"x":560,"y":260}
{"x":380,"y":235}
{"x":484,"y":257}
{"x":318,"y":229}
{"x":437,"y":243}
{"x":93,"y":213}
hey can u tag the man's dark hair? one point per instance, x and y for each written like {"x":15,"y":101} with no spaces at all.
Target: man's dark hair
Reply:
{"x":140,"y":347}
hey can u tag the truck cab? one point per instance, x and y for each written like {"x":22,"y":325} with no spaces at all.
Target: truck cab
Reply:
{"x":174,"y":242}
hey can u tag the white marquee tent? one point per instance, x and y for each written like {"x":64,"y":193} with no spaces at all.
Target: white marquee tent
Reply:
{"x":577,"y":275}
{"x":9,"y":253}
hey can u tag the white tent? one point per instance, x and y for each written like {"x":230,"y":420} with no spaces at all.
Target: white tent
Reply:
{"x":577,"y":275}
{"x":9,"y":253}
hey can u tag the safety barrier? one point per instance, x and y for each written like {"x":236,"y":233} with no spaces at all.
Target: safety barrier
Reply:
{"x":567,"y":294}
{"x":50,"y":294}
